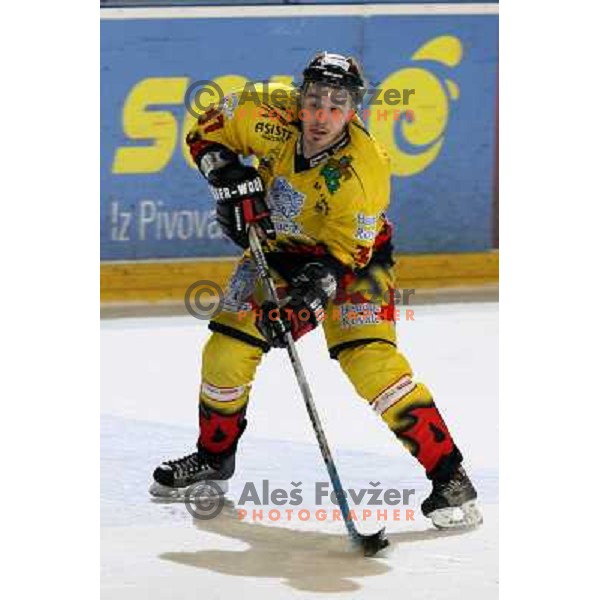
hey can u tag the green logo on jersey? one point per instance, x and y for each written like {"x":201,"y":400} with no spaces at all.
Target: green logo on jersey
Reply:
{"x":336,"y":170}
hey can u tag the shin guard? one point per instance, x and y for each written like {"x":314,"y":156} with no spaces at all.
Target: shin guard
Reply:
{"x":222,"y":418}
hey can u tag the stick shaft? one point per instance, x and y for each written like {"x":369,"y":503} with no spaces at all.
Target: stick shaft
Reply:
{"x":263,"y":271}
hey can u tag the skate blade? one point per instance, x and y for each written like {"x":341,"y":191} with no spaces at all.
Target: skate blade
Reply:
{"x":467,"y":516}
{"x":200,"y":490}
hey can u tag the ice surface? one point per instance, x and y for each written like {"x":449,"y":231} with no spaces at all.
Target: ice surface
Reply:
{"x":149,"y":393}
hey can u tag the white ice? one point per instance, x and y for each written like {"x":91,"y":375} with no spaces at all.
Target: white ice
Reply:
{"x":149,"y":413}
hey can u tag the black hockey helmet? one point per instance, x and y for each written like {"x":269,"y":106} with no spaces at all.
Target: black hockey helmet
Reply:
{"x":335,"y":70}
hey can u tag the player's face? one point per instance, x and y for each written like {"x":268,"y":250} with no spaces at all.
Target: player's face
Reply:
{"x":325,"y":112}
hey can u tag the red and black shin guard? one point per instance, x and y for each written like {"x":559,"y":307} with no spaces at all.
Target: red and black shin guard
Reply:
{"x":410,"y":412}
{"x":427,"y":437}
{"x":219,"y":433}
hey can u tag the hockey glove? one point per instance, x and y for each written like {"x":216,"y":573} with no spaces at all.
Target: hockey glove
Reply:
{"x":240,"y":195}
{"x":310,"y":291}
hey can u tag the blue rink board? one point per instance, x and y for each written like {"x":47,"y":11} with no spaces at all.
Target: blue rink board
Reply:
{"x":444,"y":206}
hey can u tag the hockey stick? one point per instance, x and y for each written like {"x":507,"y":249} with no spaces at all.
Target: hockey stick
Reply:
{"x":370,"y":544}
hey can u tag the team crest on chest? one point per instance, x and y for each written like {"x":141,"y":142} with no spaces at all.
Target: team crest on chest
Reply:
{"x":334,"y":171}
{"x":286,"y":204}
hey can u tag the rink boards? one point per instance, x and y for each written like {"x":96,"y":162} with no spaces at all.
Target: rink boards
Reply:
{"x":154,"y":207}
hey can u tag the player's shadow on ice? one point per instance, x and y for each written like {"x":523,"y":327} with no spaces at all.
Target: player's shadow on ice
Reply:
{"x":305,"y":560}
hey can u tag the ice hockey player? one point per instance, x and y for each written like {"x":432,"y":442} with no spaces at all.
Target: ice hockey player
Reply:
{"x":318,"y":197}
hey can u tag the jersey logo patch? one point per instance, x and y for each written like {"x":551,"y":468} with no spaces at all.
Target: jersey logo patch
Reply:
{"x":357,"y":315}
{"x":286,"y":204}
{"x":366,"y":229}
{"x":336,"y":170}
{"x":240,"y":288}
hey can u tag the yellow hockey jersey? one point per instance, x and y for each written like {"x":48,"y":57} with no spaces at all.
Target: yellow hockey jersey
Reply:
{"x":335,"y":200}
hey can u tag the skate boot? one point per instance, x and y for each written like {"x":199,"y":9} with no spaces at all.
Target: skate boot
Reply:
{"x":173,"y":478}
{"x":452,"y":504}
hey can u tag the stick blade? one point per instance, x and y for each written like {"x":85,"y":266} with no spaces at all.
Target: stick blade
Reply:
{"x":372,"y":544}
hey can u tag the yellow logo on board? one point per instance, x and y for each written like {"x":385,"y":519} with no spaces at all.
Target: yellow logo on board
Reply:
{"x":422,"y":137}
{"x":412,"y":144}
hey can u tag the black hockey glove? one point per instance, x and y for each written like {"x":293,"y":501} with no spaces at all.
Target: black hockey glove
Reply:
{"x":310,"y":291}
{"x":240,"y":195}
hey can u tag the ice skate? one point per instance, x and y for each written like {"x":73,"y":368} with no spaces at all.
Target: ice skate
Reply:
{"x":453,"y":504}
{"x":207,"y":474}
